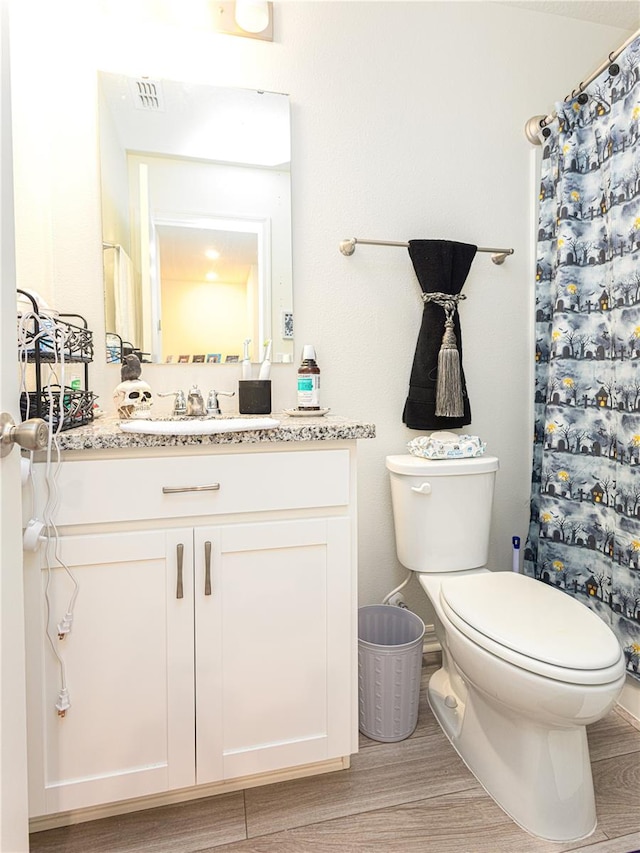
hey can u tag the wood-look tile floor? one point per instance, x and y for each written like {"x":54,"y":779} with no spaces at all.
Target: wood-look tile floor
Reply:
{"x":415,"y":796}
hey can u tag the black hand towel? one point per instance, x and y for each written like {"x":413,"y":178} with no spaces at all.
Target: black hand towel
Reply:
{"x":441,"y":266}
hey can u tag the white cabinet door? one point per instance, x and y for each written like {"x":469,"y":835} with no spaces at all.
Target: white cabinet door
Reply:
{"x":128,"y":666}
{"x":273,"y":645}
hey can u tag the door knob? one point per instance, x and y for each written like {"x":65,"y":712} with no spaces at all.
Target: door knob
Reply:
{"x":30,"y":435}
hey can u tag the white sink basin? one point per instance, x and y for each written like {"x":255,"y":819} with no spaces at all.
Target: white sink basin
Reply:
{"x":197,"y":426}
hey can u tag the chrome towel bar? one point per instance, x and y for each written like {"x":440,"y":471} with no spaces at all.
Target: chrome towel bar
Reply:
{"x":348,"y":247}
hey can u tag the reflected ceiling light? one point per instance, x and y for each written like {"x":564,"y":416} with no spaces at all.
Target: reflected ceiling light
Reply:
{"x":211,"y":276}
{"x":248,"y":18}
{"x":212,"y":254}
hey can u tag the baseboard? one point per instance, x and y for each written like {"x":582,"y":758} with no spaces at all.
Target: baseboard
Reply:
{"x":167,"y":798}
{"x":629,"y":702}
{"x":430,"y":643}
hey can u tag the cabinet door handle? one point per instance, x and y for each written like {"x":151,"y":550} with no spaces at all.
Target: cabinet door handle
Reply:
{"x":172,"y":490}
{"x":179,"y":557}
{"x":207,"y":568}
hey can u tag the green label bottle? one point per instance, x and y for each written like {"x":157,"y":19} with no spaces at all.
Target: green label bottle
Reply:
{"x":308,"y":381}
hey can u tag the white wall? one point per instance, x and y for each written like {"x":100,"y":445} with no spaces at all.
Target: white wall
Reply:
{"x":407,"y":122}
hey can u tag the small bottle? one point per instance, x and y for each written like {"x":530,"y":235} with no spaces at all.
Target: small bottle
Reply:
{"x":308,"y":381}
{"x":75,"y":383}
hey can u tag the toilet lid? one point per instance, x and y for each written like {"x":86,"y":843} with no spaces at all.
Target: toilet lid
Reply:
{"x":417,"y":466}
{"x":532,"y":619}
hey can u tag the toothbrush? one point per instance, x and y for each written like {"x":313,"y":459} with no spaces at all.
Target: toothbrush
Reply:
{"x":265,"y":367}
{"x":515,"y":541}
{"x":246,"y":361}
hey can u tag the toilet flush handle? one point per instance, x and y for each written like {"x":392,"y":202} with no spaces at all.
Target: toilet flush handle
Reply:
{"x":424,"y":489}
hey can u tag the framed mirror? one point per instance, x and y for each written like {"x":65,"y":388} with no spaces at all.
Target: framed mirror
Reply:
{"x":196,"y":220}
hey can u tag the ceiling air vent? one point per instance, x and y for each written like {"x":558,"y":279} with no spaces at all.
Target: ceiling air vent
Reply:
{"x":147,"y":94}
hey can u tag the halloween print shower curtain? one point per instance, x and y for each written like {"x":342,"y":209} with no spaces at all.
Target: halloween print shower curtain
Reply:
{"x":584,"y":535}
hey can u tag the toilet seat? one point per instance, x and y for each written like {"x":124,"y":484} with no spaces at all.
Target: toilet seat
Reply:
{"x":532,"y":626}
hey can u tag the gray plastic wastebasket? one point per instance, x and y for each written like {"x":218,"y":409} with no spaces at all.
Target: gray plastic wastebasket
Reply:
{"x":389,"y":666}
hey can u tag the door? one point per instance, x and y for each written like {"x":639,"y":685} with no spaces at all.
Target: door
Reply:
{"x":13,"y":743}
{"x":151,"y":341}
{"x":273,"y":646}
{"x":127,"y":664}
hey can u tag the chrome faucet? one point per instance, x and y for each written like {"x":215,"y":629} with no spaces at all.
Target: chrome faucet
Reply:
{"x":195,"y":403}
{"x":180,"y":404}
{"x":213,"y":406}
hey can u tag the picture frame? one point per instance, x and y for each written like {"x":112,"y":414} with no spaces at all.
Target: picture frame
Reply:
{"x":214,"y":358}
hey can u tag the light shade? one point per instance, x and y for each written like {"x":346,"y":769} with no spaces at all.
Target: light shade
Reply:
{"x":253,"y":16}
{"x":248,"y":18}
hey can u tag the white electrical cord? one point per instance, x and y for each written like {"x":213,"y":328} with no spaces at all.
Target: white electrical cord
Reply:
{"x":26,"y":344}
{"x":398,"y":589}
{"x":57,"y":334}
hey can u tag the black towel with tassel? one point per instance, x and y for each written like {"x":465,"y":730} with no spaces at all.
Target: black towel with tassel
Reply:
{"x":437,"y":390}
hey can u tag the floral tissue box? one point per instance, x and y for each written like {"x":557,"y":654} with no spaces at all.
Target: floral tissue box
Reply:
{"x":446,"y":445}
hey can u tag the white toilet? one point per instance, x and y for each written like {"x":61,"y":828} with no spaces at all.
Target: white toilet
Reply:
{"x":525,"y":667}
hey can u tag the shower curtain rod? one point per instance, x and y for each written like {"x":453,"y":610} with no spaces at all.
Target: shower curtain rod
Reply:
{"x":348,"y":247}
{"x":536,"y":123}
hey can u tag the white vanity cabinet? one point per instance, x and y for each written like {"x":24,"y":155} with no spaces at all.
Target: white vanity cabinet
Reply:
{"x":273,"y":687}
{"x":128,"y":667}
{"x":214,"y":631}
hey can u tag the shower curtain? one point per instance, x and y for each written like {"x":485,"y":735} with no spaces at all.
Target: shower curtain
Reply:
{"x":584,"y":535}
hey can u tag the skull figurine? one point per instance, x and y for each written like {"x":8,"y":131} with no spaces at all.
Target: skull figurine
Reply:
{"x":133,"y":399}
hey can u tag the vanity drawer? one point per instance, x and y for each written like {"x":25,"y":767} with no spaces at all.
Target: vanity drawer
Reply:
{"x":111,"y":490}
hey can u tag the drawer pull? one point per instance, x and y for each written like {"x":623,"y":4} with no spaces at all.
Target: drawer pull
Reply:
{"x":179,"y":557}
{"x":207,"y":568}
{"x":173,"y":490}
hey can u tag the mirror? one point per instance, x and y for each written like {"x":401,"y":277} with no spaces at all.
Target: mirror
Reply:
{"x":196,"y":220}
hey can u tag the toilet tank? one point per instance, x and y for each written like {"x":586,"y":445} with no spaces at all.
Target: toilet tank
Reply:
{"x":442,"y":511}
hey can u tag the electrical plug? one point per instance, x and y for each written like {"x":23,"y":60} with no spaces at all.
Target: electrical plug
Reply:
{"x":64,"y":703}
{"x":64,"y":626}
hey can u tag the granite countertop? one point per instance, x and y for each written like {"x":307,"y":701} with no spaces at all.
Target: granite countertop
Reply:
{"x":105,"y":434}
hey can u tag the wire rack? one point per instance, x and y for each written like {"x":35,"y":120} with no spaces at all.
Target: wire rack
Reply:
{"x":46,"y":341}
{"x":77,"y":406}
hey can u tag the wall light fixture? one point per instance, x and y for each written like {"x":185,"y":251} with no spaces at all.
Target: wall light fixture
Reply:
{"x":249,"y":18}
